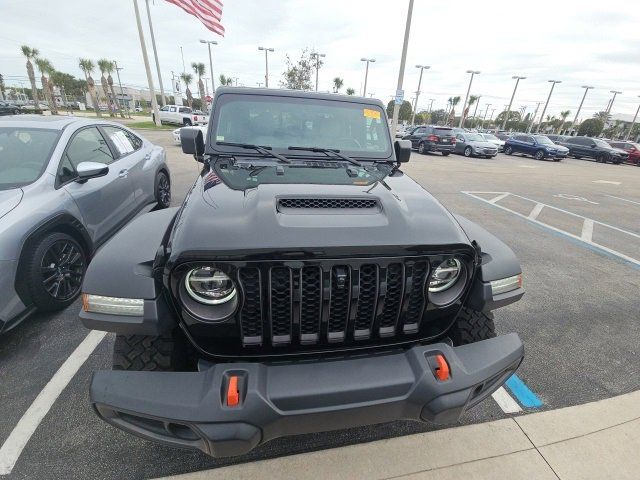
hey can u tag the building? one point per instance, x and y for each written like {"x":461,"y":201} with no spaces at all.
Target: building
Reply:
{"x":129,"y":97}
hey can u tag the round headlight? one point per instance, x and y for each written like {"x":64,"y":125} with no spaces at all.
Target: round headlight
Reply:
{"x":445,"y":275}
{"x":210,"y":286}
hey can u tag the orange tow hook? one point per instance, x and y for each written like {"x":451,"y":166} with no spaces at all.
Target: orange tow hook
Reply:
{"x":442,"y":370}
{"x":233,"y":394}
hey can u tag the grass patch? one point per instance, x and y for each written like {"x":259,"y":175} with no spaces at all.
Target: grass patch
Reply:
{"x":151,"y":125}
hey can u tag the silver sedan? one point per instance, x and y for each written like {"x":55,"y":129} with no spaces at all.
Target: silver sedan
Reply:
{"x":66,"y":186}
{"x":474,"y":144}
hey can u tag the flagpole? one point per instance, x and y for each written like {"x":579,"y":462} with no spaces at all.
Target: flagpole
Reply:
{"x":154,"y":103}
{"x":155,"y":54}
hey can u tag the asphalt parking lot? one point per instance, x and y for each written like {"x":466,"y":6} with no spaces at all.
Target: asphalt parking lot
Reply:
{"x":575,"y":226}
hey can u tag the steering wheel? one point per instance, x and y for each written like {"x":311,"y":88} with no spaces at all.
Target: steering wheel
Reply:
{"x":348,"y":139}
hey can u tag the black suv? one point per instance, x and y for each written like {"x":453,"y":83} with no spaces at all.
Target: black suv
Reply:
{"x":432,"y":139}
{"x":306,"y":284}
{"x":7,"y":108}
{"x":595,"y":148}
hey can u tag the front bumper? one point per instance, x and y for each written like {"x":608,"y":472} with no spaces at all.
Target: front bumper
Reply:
{"x":189,"y":410}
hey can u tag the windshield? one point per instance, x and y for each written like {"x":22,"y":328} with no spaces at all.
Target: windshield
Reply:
{"x":488,"y":136}
{"x":24,"y":153}
{"x":601,"y":143}
{"x":355,"y":129}
{"x":541,"y":139}
{"x":474,"y":137}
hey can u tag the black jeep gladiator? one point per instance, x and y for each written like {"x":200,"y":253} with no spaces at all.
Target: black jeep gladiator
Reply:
{"x":305,"y":284}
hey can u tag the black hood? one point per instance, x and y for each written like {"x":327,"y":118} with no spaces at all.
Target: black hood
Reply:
{"x":217,"y":221}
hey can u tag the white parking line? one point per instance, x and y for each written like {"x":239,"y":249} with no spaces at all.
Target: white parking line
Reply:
{"x":19,"y":437}
{"x":506,"y":401}
{"x":499,"y":197}
{"x":610,"y":182}
{"x":536,"y":211}
{"x":587,"y":230}
{"x":623,"y":199}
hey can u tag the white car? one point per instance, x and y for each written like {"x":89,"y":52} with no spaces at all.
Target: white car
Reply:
{"x":180,"y":115}
{"x":176,"y":132}
{"x":489,"y":137}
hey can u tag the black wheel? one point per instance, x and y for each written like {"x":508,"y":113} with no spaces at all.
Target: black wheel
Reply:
{"x":163,"y":190}
{"x":139,"y":352}
{"x":445,"y":154}
{"x":186,"y":122}
{"x":421,"y":148}
{"x":55,"y":271}
{"x":617,"y":162}
{"x":468,"y":151}
{"x":16,"y":112}
{"x":556,"y":159}
{"x":539,"y":155}
{"x":602,"y":158}
{"x":508,"y":150}
{"x":472,"y":326}
{"x":577,"y":157}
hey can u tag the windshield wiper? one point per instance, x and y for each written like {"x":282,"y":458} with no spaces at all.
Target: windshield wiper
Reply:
{"x":328,"y":152}
{"x":265,"y":150}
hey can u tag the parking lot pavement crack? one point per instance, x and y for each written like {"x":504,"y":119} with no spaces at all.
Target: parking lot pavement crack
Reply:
{"x":537,"y":449}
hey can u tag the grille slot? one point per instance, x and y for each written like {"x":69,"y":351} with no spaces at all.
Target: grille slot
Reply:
{"x":339,"y":306}
{"x":416,"y":298}
{"x":310,"y":304}
{"x":280,"y":296}
{"x":251,"y":312}
{"x":366,"y":310}
{"x":392,"y":300}
{"x":327,"y":203}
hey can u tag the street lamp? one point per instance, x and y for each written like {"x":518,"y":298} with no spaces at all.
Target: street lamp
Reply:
{"x":553,"y":84}
{"x":633,"y":122}
{"x":366,"y":74}
{"x":266,"y":64}
{"x":586,"y":89}
{"x":209,"y":43}
{"x":485,"y":113}
{"x":615,"y":92}
{"x":431,"y":100}
{"x":317,"y":56}
{"x":415,"y":106}
{"x":464,"y":105}
{"x":506,"y":117}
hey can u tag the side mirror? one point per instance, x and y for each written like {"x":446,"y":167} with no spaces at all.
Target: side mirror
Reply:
{"x":593,"y":145}
{"x":87,"y":170}
{"x":192,"y":142}
{"x":403,"y":150}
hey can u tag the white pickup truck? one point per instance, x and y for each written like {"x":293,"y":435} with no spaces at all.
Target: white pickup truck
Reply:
{"x":180,"y":115}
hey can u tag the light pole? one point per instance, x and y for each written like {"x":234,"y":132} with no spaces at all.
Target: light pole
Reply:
{"x":259,"y":84}
{"x":533,"y":118}
{"x":464,"y":105}
{"x":403,"y":60}
{"x":506,"y":117}
{"x":485,"y":113}
{"x":575,"y":119}
{"x":633,"y":122}
{"x":366,"y":74}
{"x":317,"y":56}
{"x":115,"y":64}
{"x":152,"y":92}
{"x":493,"y":110}
{"x":431,"y":100}
{"x":266,"y":64}
{"x":213,"y":82}
{"x":553,"y":84}
{"x":615,"y":92}
{"x":415,"y":106}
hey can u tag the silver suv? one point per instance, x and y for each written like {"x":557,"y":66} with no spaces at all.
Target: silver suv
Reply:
{"x":66,"y":186}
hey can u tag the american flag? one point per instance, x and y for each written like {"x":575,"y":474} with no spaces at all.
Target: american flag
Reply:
{"x":209,"y":12}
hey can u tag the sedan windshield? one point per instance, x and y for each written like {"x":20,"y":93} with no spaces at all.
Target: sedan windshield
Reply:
{"x":488,"y":136}
{"x":541,"y":139}
{"x":24,"y":154}
{"x":355,"y":129}
{"x":474,"y":137}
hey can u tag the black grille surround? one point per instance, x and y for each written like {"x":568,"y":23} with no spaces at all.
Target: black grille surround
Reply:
{"x":293,"y":308}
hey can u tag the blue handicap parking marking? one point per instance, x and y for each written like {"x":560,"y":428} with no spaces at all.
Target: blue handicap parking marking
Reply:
{"x":523,"y":394}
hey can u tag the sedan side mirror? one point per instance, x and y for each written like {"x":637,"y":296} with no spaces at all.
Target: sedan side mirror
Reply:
{"x":192,"y":142}
{"x":403,"y":150}
{"x":87,"y":170}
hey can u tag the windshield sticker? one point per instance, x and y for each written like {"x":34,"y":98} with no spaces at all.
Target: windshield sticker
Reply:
{"x":220,"y":138}
{"x":367,"y":112}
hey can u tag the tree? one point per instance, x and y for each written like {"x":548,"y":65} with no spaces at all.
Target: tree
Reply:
{"x":604,"y":117}
{"x":592,"y":127}
{"x":44,"y":66}
{"x":225,"y":80}
{"x":199,"y":70}
{"x":103,"y":65}
{"x":563,"y":116}
{"x":437,"y":116}
{"x":453,"y":101}
{"x":513,"y":117}
{"x":472,"y":99}
{"x":337,"y":84}
{"x":187,"y":78}
{"x":404,"y":115}
{"x":297,"y":76}
{"x":422,"y":118}
{"x":31,"y":53}
{"x":350,"y":91}
{"x":87,"y":68}
{"x":107,"y":66}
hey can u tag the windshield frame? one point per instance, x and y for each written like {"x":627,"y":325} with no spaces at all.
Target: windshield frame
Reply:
{"x":226,"y":97}
{"x":45,"y":164}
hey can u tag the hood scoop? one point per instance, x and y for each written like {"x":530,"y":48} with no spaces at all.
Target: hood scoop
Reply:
{"x":329,"y":205}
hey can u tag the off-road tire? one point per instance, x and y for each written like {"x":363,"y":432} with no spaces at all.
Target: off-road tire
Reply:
{"x":186,"y":122}
{"x":164,"y":353}
{"x":508,"y":150}
{"x":472,"y":326}
{"x":468,"y":152}
{"x":421,"y":149}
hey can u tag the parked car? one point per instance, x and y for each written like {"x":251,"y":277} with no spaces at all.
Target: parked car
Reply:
{"x":595,"y":148}
{"x":176,"y":132}
{"x":432,"y":139}
{"x":66,"y":185}
{"x":538,"y":146}
{"x":557,"y":139}
{"x":632,"y":148}
{"x":491,"y":138}
{"x":180,"y":116}
{"x":502,"y":136}
{"x":8,"y":108}
{"x":294,"y":296}
{"x":474,"y":144}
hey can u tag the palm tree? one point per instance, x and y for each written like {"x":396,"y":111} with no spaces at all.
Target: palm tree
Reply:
{"x":44,"y":66}
{"x":31,"y":53}
{"x":563,"y":116}
{"x":50,"y":85}
{"x":472,"y":99}
{"x":109,"y":68}
{"x":87,"y":67}
{"x":103,"y":65}
{"x":187,"y":78}
{"x":225,"y":80}
{"x":602,"y":116}
{"x":452,"y":114}
{"x":337,"y":84}
{"x":350,"y":91}
{"x":199,"y":70}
